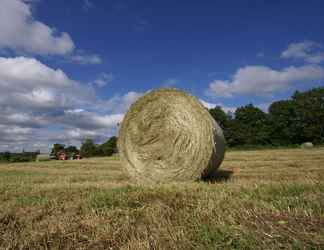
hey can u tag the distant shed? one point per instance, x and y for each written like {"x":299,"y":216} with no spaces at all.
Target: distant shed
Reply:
{"x":43,"y":157}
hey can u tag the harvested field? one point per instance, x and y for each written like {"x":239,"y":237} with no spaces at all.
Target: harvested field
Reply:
{"x":260,"y":199}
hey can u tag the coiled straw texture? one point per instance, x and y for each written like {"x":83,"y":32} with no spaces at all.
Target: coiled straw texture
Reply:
{"x":168,"y":135}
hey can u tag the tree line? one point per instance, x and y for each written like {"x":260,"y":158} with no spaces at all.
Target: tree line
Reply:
{"x":289,"y":122}
{"x":18,"y":157}
{"x":87,"y":149}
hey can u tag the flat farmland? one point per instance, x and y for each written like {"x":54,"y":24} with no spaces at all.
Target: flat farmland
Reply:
{"x":259,"y":199}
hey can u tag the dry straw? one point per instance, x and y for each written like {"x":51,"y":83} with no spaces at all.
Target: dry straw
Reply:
{"x":168,"y":135}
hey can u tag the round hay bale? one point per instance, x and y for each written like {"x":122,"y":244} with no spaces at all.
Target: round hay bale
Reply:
{"x":168,"y":135}
{"x":307,"y":145}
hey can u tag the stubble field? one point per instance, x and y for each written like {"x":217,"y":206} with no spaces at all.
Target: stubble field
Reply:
{"x":265,"y":199}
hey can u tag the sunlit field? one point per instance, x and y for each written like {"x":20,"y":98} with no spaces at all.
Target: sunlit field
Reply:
{"x":259,"y":199}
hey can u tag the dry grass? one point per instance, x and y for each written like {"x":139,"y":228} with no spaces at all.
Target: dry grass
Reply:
{"x":260,"y":199}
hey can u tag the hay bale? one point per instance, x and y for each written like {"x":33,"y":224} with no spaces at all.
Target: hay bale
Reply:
{"x":43,"y":157}
{"x":307,"y":145}
{"x":168,"y":135}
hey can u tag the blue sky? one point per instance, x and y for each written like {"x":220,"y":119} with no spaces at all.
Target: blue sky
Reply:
{"x":70,"y":69}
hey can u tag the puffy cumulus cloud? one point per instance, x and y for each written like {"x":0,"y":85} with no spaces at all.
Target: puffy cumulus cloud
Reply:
{"x":28,"y":70}
{"x":262,"y":80}
{"x":20,"y":31}
{"x":210,"y":105}
{"x":308,"y":51}
{"x":29,"y":84}
{"x":40,"y":105}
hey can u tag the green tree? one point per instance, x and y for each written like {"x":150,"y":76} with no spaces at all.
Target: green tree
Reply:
{"x":284,"y":129}
{"x":71,"y":151}
{"x":6,"y":156}
{"x":224,"y":121}
{"x":88,"y":149}
{"x":57,"y":148}
{"x":310,"y":115}
{"x":250,"y":126}
{"x":110,"y":146}
{"x":220,"y":116}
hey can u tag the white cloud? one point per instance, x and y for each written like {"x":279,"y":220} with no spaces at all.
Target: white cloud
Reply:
{"x":264,"y":106}
{"x":262,"y":80}
{"x":12,"y":117}
{"x":12,"y":138}
{"x":308,"y":51}
{"x":21,"y":32}
{"x":118,"y":104}
{"x":90,"y":120}
{"x":27,"y":83}
{"x":39,"y":103}
{"x":81,"y":134}
{"x":103,"y":79}
{"x":26,"y":71}
{"x":210,"y":105}
{"x":85,"y":59}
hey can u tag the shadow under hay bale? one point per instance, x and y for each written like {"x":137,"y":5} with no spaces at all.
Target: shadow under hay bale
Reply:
{"x":218,"y":176}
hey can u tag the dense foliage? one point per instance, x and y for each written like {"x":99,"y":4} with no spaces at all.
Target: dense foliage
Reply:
{"x":90,"y":149}
{"x":288,"y":122}
{"x":87,"y":149}
{"x":18,"y":157}
{"x":57,"y":148}
{"x":70,"y":151}
{"x":109,"y":147}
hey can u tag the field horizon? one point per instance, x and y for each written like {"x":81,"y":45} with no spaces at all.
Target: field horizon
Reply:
{"x":259,"y":199}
